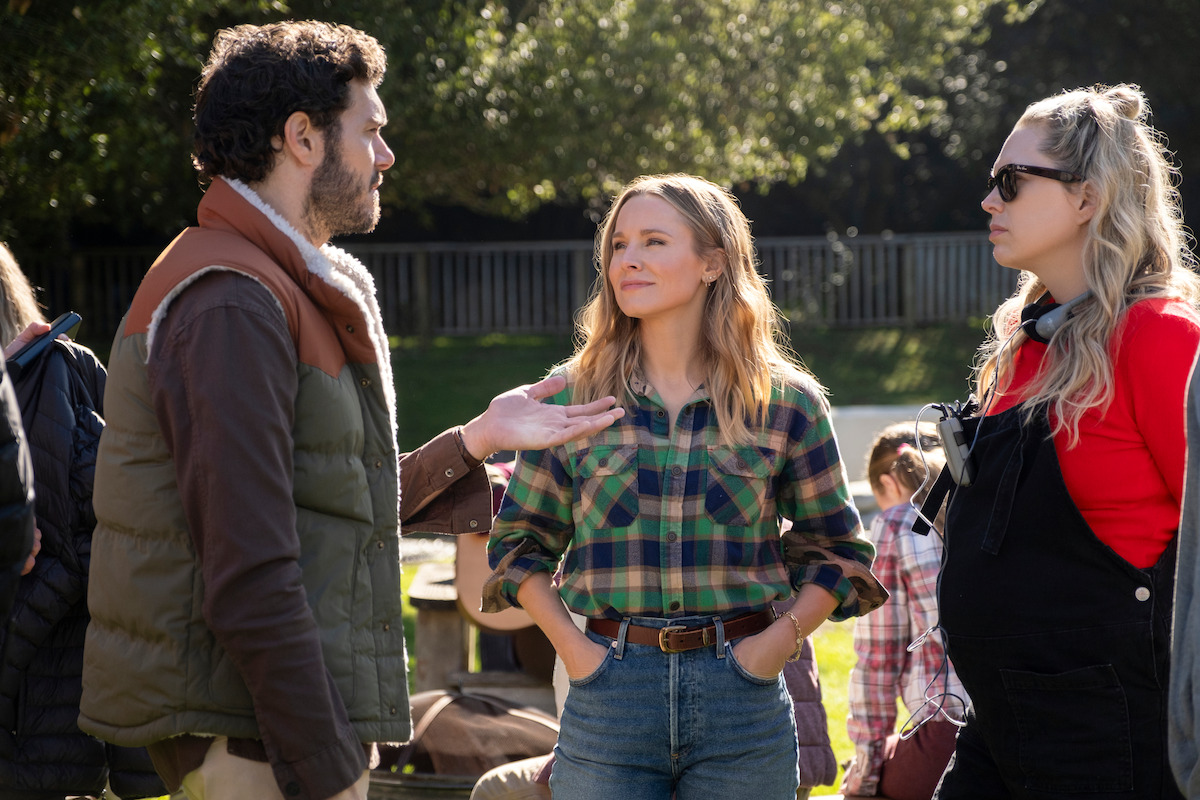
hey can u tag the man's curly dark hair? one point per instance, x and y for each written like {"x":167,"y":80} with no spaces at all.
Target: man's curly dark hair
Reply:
{"x":258,"y":76}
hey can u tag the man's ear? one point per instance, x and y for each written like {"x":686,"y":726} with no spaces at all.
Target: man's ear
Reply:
{"x":301,"y":141}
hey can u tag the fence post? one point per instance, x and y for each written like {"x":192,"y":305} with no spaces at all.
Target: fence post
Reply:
{"x":909,"y":282}
{"x":422,"y":295}
{"x":582,"y":276}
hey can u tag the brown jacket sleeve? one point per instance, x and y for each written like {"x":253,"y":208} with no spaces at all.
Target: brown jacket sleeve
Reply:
{"x":441,"y":493}
{"x":223,"y":381}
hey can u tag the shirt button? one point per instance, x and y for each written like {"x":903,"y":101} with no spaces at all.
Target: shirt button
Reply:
{"x":672,"y":536}
{"x":1142,"y":593}
{"x":660,"y":413}
{"x":676,"y":471}
{"x":365,"y":382}
{"x":380,"y":544}
{"x":378,"y":464}
{"x":450,"y":473}
{"x":674,"y":605}
{"x":603,"y":462}
{"x":349,"y":329}
{"x":474,"y":523}
{"x":387,"y":627}
{"x":393,"y":710}
{"x":741,"y":464}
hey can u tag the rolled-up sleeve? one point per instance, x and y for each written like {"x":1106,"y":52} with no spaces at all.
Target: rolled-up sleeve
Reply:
{"x":534,"y":525}
{"x":824,"y":543}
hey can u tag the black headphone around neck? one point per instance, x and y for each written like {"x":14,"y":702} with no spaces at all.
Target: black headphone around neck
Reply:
{"x":1041,"y":321}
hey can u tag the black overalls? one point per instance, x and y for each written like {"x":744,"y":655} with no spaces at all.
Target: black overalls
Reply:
{"x":1062,"y":645}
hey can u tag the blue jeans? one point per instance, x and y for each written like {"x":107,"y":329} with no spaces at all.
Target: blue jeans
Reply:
{"x":647,"y":723}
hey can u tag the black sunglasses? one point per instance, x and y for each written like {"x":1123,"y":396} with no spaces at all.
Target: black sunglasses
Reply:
{"x":1006,"y":178}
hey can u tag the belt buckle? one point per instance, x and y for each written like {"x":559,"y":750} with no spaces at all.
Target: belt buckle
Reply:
{"x":662,"y":638}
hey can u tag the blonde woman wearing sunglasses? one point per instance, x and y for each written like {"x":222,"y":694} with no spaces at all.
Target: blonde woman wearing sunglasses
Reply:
{"x":1056,"y":592}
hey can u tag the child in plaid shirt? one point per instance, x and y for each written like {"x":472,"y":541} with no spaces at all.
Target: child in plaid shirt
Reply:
{"x":908,"y":564}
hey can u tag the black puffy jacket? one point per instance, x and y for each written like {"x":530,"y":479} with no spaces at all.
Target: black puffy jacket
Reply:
{"x":43,"y":754}
{"x":16,"y":498}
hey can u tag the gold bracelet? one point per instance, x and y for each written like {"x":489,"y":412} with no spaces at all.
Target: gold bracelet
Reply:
{"x":795,"y":656}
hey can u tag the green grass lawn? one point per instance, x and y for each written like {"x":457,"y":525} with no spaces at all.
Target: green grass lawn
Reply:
{"x":891,"y":366}
{"x":451,"y":380}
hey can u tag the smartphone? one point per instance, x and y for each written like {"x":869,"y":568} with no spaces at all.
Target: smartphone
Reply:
{"x":66,"y":323}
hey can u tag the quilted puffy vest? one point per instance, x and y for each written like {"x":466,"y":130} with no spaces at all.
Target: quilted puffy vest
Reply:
{"x":152,"y":669}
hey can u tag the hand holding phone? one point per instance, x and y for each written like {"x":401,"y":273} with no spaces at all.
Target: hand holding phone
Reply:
{"x":65,"y":323}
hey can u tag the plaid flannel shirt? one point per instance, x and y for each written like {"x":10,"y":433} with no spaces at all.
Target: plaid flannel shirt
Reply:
{"x":660,"y":523}
{"x":908,"y":564}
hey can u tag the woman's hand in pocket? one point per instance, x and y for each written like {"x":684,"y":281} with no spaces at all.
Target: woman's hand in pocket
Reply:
{"x":582,"y":657}
{"x":760,"y":655}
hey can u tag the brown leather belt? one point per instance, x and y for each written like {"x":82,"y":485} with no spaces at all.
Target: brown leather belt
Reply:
{"x":679,"y":638}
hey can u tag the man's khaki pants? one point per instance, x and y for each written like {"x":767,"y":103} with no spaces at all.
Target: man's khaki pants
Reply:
{"x":227,"y":777}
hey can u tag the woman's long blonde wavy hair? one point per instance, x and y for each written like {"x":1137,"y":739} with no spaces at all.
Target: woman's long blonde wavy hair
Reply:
{"x":743,"y":346}
{"x":18,"y":304}
{"x":1136,"y":248}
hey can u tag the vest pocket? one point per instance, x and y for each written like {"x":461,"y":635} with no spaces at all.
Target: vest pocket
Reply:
{"x":607,"y":486}
{"x":1074,"y":729}
{"x":737,"y":484}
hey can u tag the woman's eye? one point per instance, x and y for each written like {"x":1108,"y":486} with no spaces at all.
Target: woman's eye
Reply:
{"x":618,"y":246}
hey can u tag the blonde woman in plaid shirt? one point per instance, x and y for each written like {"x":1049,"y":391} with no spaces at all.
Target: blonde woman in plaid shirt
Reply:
{"x":667,"y":526}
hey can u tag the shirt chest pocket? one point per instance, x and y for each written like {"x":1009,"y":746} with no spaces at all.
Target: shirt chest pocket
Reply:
{"x":739,"y":484}
{"x":606,"y":491}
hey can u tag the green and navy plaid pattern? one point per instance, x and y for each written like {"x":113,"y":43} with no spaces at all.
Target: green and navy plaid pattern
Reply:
{"x":650,"y":522}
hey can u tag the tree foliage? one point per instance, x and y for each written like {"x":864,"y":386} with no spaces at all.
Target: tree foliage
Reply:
{"x":95,"y":104}
{"x":1037,"y":48}
{"x":578,"y":96}
{"x":493,"y":107}
{"x":1027,"y":50}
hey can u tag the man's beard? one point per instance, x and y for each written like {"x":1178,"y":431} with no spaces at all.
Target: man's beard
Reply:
{"x":338,"y":203}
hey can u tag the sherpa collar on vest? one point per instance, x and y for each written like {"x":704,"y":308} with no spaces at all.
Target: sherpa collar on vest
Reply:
{"x":229,"y":204}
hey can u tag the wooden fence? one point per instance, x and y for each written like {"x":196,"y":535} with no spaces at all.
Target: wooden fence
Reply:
{"x":536,"y":287}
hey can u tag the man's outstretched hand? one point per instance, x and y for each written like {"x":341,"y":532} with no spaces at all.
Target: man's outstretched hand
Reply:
{"x":518,"y":420}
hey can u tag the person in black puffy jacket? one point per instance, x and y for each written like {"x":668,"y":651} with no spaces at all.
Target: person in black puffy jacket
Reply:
{"x":43,"y":754}
{"x":16,"y":498}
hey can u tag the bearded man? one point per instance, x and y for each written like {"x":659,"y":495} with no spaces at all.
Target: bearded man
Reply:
{"x":245,"y":574}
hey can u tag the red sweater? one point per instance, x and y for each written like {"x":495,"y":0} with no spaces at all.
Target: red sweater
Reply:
{"x":1126,"y":472}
